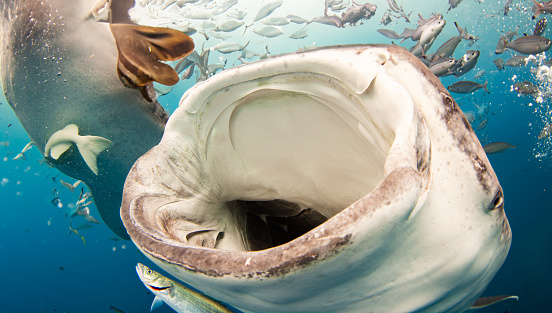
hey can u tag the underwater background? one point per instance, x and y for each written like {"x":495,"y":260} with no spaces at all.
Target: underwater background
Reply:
{"x":47,"y":268}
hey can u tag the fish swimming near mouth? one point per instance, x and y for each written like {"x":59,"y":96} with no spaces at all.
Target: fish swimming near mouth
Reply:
{"x":182,"y":299}
{"x":77,"y":83}
{"x":298,"y":184}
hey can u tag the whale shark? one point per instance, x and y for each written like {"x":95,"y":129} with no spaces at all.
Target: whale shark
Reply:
{"x":343,"y":179}
{"x":58,"y":67}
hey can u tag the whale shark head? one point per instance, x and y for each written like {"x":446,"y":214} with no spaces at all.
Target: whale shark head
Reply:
{"x":341,"y":179}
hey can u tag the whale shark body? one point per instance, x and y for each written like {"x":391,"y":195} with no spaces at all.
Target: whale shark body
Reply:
{"x":344,"y":179}
{"x":59,"y":68}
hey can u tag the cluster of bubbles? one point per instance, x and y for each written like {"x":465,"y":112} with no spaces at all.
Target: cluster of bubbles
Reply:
{"x":542,"y":75}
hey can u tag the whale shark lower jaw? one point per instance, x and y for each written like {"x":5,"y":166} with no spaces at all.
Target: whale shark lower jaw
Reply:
{"x":340,"y":179}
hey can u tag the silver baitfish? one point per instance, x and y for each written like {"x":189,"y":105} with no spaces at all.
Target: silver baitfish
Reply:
{"x":447,"y":49}
{"x":516,"y":61}
{"x":525,"y":88}
{"x":442,"y":66}
{"x":175,"y":295}
{"x":467,"y":86}
{"x":466,"y":63}
{"x":453,"y":4}
{"x":526,"y":45}
{"x":499,"y":64}
{"x":496,"y":147}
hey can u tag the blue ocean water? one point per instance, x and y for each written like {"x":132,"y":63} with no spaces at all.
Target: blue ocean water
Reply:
{"x":46,"y":268}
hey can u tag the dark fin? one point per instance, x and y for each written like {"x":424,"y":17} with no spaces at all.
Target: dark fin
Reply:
{"x":148,"y":92}
{"x":487,"y":301}
{"x":537,"y":9}
{"x":485,"y":87}
{"x":141,"y":48}
{"x":501,"y":46}
{"x":119,"y":11}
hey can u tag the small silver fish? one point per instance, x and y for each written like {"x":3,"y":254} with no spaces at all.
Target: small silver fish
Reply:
{"x":275,"y":21}
{"x":389,"y":33}
{"x":71,"y":229}
{"x":296,"y":19}
{"x":228,"y":26}
{"x":215,"y":67}
{"x":175,"y":295}
{"x":237,"y":14}
{"x":447,"y":49}
{"x":355,"y":14}
{"x":268,"y":31}
{"x":516,"y":61}
{"x":267,"y":9}
{"x":70,"y":186}
{"x":466,"y":63}
{"x":25,"y":149}
{"x":442,"y":67}
{"x":467,"y":87}
{"x":386,"y":19}
{"x":229,"y":47}
{"x":496,"y":147}
{"x":527,"y":45}
{"x":331,"y":20}
{"x":483,"y":124}
{"x":188,"y":73}
{"x":507,"y":7}
{"x":526,"y":88}
{"x":453,"y":4}
{"x":302,"y":33}
{"x":499,"y":64}
{"x":4,"y":143}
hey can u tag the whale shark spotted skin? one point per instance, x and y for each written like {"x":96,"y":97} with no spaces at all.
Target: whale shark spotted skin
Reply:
{"x":344,"y":179}
{"x":59,"y":68}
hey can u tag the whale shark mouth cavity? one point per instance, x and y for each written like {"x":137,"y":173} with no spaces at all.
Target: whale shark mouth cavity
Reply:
{"x":290,"y":177}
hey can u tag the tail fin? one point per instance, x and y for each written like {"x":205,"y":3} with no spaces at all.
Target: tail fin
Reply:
{"x":537,"y":8}
{"x":501,"y":46}
{"x":460,"y":30}
{"x":485,"y":87}
{"x":90,"y":147}
{"x":246,"y":27}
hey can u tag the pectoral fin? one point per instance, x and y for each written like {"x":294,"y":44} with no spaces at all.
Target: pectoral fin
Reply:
{"x":141,"y":48}
{"x":487,"y":301}
{"x":59,"y":149}
{"x":157,"y":302}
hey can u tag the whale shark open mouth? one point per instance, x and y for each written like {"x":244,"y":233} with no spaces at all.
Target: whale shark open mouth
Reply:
{"x":331,"y":180}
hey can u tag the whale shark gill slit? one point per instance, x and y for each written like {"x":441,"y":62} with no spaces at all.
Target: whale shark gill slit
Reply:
{"x":141,"y":50}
